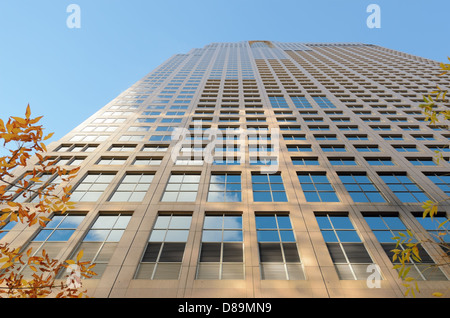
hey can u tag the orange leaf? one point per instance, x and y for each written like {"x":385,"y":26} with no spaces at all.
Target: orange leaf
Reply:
{"x":48,"y":136}
{"x":80,"y":255}
{"x":28,"y":112}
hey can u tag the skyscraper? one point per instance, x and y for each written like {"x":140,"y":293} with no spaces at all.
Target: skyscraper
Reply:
{"x":256,"y":169}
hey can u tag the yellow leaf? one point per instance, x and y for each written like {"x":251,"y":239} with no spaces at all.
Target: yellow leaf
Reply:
{"x":28,"y":112}
{"x":48,"y":136}
{"x":437,"y":294}
{"x":80,"y":255}
{"x":8,"y":264}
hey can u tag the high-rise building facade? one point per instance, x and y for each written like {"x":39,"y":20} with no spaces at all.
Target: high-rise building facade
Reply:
{"x":256,"y":169}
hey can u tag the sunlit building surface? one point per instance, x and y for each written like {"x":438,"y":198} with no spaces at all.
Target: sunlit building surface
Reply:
{"x":256,"y":169}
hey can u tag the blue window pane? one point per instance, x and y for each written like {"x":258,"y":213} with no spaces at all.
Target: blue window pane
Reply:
{"x":114,"y":236}
{"x":233,"y":197}
{"x":176,"y":236}
{"x":287,"y":236}
{"x":42,"y":236}
{"x":421,"y":197}
{"x":384,"y":236}
{"x":232,"y":222}
{"x":324,"y":187}
{"x":275,"y":178}
{"x":348,"y":236}
{"x":8,"y":226}
{"x":277,"y":186}
{"x":233,"y":186}
{"x":96,"y":235}
{"x":375,"y":197}
{"x":265,"y":222}
{"x":406,"y":197}
{"x":284,"y":222}
{"x":395,"y":223}
{"x":312,"y":196}
{"x":432,"y":224}
{"x":304,"y":178}
{"x":233,"y":178}
{"x":268,"y":236}
{"x":262,"y":197}
{"x":71,"y":221}
{"x":212,"y":236}
{"x":232,"y":236}
{"x":55,"y":221}
{"x":376,"y":223}
{"x":261,"y":187}
{"x":279,"y":197}
{"x":217,"y":178}
{"x":329,"y":236}
{"x":213,"y":222}
{"x":368,"y":187}
{"x":358,"y":197}
{"x":340,"y":222}
{"x":328,"y":197}
{"x":323,"y":222}
{"x":320,"y":178}
{"x":256,"y":178}
{"x":60,"y":235}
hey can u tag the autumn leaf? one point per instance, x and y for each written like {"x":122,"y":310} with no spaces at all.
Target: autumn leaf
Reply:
{"x":28,"y":112}
{"x":80,"y":255}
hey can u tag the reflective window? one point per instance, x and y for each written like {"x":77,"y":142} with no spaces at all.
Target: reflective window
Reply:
{"x":222,"y":250}
{"x":360,"y":188}
{"x":225,"y":187}
{"x":346,"y":249}
{"x":181,"y":188}
{"x":316,"y":187}
{"x":279,"y":257}
{"x":268,"y":188}
{"x":404,"y":188}
{"x":385,"y":227}
{"x":165,"y":248}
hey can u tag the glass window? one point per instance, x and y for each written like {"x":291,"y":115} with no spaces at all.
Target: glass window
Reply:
{"x":346,"y":249}
{"x":222,"y":250}
{"x":301,"y":102}
{"x":225,"y":187}
{"x":342,"y":161}
{"x":316,"y":187}
{"x":132,"y":188}
{"x":422,"y":161}
{"x":438,"y":227}
{"x":385,"y":227}
{"x":379,"y":161}
{"x":268,"y":188}
{"x":5,"y":228}
{"x":278,"y":102}
{"x":279,"y":257}
{"x":181,"y":188}
{"x":367,"y":148}
{"x":323,"y":102}
{"x":305,"y":161}
{"x":53,"y":237}
{"x":101,"y":240}
{"x":360,"y":188}
{"x":405,"y":189}
{"x":91,"y":187}
{"x":165,"y":248}
{"x":442,"y":180}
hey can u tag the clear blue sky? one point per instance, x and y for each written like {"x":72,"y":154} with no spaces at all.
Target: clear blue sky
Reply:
{"x":68,"y":74}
